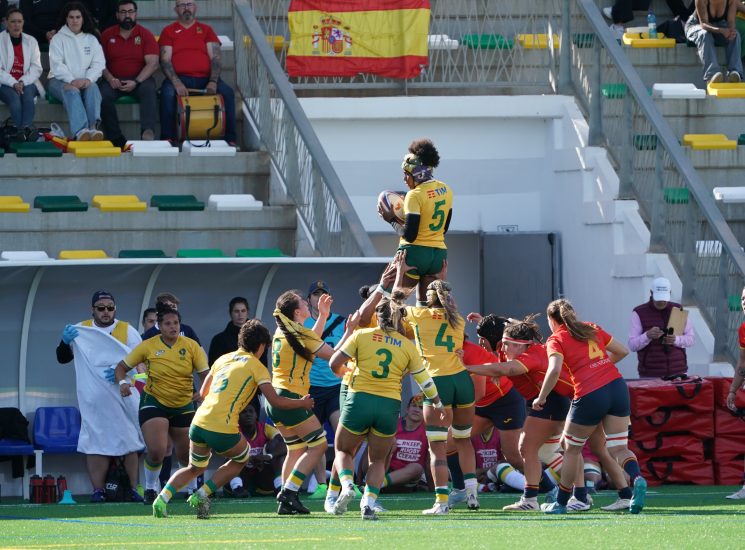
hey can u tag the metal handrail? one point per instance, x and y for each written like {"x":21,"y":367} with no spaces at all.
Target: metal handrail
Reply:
{"x":297,"y":154}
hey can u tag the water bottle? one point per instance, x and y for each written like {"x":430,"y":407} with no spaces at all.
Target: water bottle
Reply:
{"x":651,"y":24}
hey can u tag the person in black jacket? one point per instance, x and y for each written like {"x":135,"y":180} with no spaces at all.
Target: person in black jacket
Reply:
{"x":227,"y":340}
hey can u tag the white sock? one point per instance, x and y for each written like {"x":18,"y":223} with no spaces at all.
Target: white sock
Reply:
{"x":511,"y":477}
{"x":472,"y":485}
{"x":192,"y":486}
{"x":236,"y":483}
{"x":151,"y":479}
{"x":312,"y":483}
{"x":278,"y":482}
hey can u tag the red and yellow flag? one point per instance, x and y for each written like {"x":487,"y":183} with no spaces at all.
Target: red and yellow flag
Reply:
{"x":348,"y":37}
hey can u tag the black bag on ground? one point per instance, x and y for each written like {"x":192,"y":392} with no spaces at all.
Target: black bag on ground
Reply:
{"x":117,"y":481}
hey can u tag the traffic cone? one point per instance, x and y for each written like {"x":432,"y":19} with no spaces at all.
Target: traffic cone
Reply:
{"x":67,"y":498}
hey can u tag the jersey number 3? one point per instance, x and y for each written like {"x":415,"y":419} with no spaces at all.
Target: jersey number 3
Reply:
{"x":386,"y":358}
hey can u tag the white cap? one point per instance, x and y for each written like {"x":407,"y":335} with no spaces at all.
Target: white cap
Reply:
{"x":661,"y":290}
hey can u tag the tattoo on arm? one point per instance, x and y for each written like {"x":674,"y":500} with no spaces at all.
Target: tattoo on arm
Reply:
{"x":439,"y":462}
{"x":215,"y":66}
{"x":741,"y":371}
{"x":169,"y":71}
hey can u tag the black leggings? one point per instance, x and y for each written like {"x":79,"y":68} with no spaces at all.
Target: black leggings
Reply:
{"x":623,"y":10}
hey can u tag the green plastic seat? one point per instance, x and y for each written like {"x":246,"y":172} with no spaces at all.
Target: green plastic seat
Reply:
{"x":645,"y":142}
{"x":2,"y":152}
{"x":733,"y":303}
{"x":36,"y":149}
{"x":60,"y":203}
{"x":176,"y":202}
{"x":144,"y":253}
{"x":127,"y":100}
{"x":51,"y":99}
{"x":676,"y":195}
{"x":488,"y":42}
{"x":200,"y":253}
{"x":741,"y":139}
{"x":583,"y":39}
{"x":614,"y":91}
{"x":259,"y":253}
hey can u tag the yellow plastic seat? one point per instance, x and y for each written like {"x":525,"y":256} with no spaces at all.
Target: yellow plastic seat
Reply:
{"x":95,"y":152}
{"x":13,"y":203}
{"x":642,"y":40}
{"x":75,"y":145}
{"x":119,"y":203}
{"x":702,"y":142}
{"x":536,"y":41}
{"x":82,"y":255}
{"x":726,"y":90}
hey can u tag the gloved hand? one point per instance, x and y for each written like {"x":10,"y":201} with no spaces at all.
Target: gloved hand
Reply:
{"x":69,"y":334}
{"x":109,"y":375}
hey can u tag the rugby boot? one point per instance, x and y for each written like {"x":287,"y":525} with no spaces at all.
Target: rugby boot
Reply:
{"x":639,"y":496}
{"x":439,"y":509}
{"x":620,"y":504}
{"x":159,"y":508}
{"x":202,"y":504}
{"x":289,"y":504}
{"x":369,"y":514}
{"x":345,"y":497}
{"x":523,"y":505}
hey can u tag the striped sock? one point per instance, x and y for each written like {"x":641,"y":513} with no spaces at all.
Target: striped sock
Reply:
{"x":631,"y":467}
{"x":207,"y":489}
{"x":334,"y":487}
{"x":346,"y":477}
{"x":441,"y":495}
{"x":371,"y":495}
{"x":295,"y":481}
{"x":565,"y":494}
{"x":168,"y":492}
{"x":387,"y":481}
{"x":152,"y":471}
{"x":531,"y":491}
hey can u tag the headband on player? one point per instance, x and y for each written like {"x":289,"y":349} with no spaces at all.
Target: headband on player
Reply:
{"x":413,"y":166}
{"x":516,"y":341}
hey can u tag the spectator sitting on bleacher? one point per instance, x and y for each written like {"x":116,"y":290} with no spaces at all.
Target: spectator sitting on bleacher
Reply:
{"x":660,"y":354}
{"x":41,"y":18}
{"x":713,"y":24}
{"x":622,"y":11}
{"x":170,"y":300}
{"x":20,"y":69}
{"x":76,"y":62}
{"x":190,"y":59}
{"x":109,"y":426}
{"x":131,"y":59}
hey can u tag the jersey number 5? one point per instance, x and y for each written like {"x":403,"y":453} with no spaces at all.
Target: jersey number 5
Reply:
{"x":438,"y":216}
{"x":387,"y":357}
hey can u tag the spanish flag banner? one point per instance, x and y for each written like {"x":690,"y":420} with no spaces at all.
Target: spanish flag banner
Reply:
{"x":348,"y":37}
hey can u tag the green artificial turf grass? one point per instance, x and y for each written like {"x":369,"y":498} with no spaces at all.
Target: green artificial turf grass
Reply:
{"x":675,"y":517}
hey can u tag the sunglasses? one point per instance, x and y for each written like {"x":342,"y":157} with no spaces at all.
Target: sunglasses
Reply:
{"x":105,"y":308}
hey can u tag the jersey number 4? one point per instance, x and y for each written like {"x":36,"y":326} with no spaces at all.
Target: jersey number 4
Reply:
{"x":442,"y":341}
{"x":593,"y":350}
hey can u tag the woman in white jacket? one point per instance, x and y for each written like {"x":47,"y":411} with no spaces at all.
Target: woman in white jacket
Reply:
{"x":76,"y":62}
{"x":20,"y":69}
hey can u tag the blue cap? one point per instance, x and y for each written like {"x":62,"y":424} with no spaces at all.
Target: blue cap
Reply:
{"x":101,"y":295}
{"x":319,"y":285}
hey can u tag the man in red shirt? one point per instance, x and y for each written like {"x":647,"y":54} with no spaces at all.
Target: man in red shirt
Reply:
{"x":131,"y":59}
{"x":190,"y":59}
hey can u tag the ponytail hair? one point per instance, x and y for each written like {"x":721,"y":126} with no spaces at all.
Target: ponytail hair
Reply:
{"x":439,"y":295}
{"x":562,"y":313}
{"x":527,"y":329}
{"x":390,"y":312}
{"x":287,"y":303}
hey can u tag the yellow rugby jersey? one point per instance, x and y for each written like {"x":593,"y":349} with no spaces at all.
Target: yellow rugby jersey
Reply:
{"x":351,"y":363}
{"x":436,"y":340}
{"x":169,"y":369}
{"x":235,"y":378}
{"x":381,"y":360}
{"x":432,"y":200}
{"x":289,"y":370}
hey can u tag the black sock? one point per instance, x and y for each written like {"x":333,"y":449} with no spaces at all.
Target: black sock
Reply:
{"x":546,"y":483}
{"x":456,"y":474}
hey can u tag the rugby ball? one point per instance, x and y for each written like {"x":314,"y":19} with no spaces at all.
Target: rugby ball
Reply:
{"x":390,"y":201}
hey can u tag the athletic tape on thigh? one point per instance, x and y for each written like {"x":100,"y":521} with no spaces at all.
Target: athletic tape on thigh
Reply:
{"x":592,"y":469}
{"x":244,"y":456}
{"x":294,"y":443}
{"x":318,"y":439}
{"x":574,"y":440}
{"x":621,"y":439}
{"x":461,"y":432}
{"x":437,"y":433}
{"x":548,"y":451}
{"x":200,"y":461}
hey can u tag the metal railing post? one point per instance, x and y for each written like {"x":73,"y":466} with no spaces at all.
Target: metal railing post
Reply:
{"x":565,"y":50}
{"x":595,"y":134}
{"x":626,"y":170}
{"x":658,"y":222}
{"x":688,"y":276}
{"x":722,"y":308}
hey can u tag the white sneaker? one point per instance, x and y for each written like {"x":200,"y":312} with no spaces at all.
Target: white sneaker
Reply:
{"x":739,"y":495}
{"x":608,"y":13}
{"x":83,"y":135}
{"x":456,"y":496}
{"x":439,"y":509}
{"x":617,"y":31}
{"x":328,"y":504}
{"x":576,"y":505}
{"x":620,"y":504}
{"x":717,"y":78}
{"x":95,"y":135}
{"x":734,"y":77}
{"x":346,"y":496}
{"x":523,"y":505}
{"x":472,"y":501}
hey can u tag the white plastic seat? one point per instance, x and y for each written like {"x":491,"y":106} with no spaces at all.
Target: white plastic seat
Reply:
{"x":217,"y":148}
{"x":678,"y":91}
{"x":23,"y":255}
{"x":234,"y":202}
{"x":729,"y":194}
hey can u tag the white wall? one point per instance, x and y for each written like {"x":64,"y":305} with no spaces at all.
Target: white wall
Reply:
{"x":511,"y":161}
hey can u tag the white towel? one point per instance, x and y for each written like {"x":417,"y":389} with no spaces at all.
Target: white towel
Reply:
{"x":109,"y":423}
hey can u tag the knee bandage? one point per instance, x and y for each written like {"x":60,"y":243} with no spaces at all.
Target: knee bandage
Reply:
{"x":592,"y":469}
{"x":575,"y":441}
{"x":621,"y":439}
{"x":315,"y":438}
{"x":437,"y":433}
{"x":461,"y":432}
{"x":548,"y":451}
{"x":244,"y":456}
{"x":200,"y":461}
{"x":294,"y":443}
